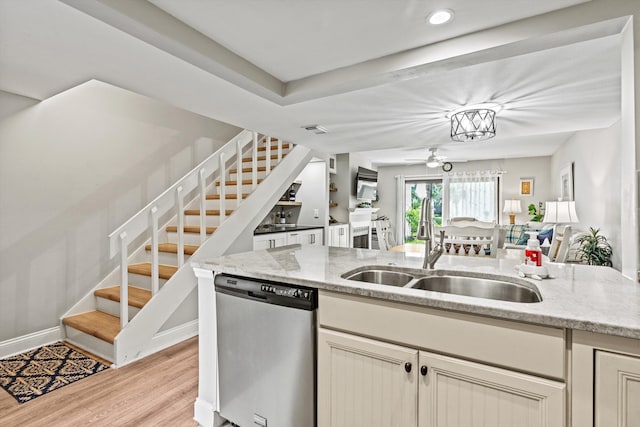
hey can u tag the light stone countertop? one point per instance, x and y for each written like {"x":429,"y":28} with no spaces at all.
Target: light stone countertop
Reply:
{"x":596,"y":299}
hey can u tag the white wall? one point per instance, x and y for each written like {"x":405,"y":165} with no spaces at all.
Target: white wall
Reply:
{"x":528,"y":167}
{"x":344,"y":178}
{"x":596,"y":161}
{"x":11,"y":103}
{"x":312,"y":193}
{"x":72,"y":169}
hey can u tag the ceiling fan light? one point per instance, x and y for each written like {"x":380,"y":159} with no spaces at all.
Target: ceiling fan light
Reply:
{"x":473,"y":125}
{"x":432,"y":162}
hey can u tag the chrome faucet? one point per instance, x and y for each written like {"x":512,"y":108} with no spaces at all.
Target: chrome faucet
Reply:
{"x":425,"y":232}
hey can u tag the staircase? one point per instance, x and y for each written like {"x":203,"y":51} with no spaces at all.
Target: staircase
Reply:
{"x":217,"y":188}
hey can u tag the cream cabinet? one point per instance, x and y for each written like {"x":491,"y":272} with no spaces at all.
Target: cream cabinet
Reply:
{"x":605,"y":378}
{"x":365,"y":382}
{"x":617,"y":390}
{"x":454,"y":392}
{"x":339,"y":236}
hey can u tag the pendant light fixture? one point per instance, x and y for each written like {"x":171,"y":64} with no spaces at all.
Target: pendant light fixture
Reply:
{"x":474,"y":123}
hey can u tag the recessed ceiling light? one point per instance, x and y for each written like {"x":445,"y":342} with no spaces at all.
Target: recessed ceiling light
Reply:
{"x":439,"y":17}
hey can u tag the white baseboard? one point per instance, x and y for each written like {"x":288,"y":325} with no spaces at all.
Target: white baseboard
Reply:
{"x":30,"y":341}
{"x":167,"y":338}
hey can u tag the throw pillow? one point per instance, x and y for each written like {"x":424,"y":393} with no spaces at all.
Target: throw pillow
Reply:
{"x":545,"y":234}
{"x":514,"y":233}
{"x":523,"y":239}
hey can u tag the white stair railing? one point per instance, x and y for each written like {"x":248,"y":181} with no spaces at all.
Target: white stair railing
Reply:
{"x":146,"y":220}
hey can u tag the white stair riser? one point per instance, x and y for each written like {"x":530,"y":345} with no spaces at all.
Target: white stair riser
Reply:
{"x":210,"y":221}
{"x":113,"y":307}
{"x":94,"y":345}
{"x":166,"y":258}
{"x":189,"y":238}
{"x":143,"y":281}
{"x":247,"y":175}
{"x":215,"y":204}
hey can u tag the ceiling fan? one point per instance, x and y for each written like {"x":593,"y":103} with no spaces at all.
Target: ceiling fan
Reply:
{"x":435,"y":161}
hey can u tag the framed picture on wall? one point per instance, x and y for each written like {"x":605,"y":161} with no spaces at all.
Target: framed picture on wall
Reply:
{"x":566,"y":182}
{"x":526,"y":186}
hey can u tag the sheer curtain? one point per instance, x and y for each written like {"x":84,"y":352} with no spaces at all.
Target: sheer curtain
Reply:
{"x":472,"y":194}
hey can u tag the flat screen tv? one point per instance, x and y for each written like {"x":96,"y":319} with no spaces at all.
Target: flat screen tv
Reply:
{"x":366,"y":184}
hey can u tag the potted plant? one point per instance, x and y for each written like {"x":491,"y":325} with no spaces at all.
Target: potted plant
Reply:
{"x":538,"y":213}
{"x":594,"y":248}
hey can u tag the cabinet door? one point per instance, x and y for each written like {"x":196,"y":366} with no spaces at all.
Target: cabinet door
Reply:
{"x":343,"y":236}
{"x":315,"y":237}
{"x":296,"y":237}
{"x":365,"y":383}
{"x":455,"y":392}
{"x":269,"y":241}
{"x":617,"y":384}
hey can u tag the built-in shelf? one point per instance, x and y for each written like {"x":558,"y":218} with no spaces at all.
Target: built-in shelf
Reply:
{"x":333,"y":205}
{"x":333,"y":189}
{"x":283,"y":203}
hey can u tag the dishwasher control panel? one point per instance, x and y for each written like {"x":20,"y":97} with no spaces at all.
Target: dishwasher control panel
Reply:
{"x":286,"y":291}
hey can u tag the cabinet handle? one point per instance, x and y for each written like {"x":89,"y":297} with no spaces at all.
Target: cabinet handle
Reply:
{"x":407,"y":366}
{"x":313,"y":238}
{"x":424,"y":370}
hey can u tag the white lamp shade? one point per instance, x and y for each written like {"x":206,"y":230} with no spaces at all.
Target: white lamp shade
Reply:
{"x":512,"y":206}
{"x":560,"y":212}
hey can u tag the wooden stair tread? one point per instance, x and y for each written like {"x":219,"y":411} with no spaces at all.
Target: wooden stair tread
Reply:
{"x":144,"y":269}
{"x":190,"y":229}
{"x":262,"y":158}
{"x":245,"y":170}
{"x":173,"y":247}
{"x":210,"y":212}
{"x":273,"y":147}
{"x":244,"y":182}
{"x":233,"y":196}
{"x":96,"y":323}
{"x":138,"y":297}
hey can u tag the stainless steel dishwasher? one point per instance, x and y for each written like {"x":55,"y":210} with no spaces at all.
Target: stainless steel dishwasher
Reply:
{"x":266,"y":353}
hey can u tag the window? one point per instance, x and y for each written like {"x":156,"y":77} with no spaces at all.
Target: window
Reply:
{"x":472,"y":196}
{"x":415,"y":190}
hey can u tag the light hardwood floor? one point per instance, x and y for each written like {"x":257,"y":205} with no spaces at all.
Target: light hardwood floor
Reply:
{"x":156,"y":391}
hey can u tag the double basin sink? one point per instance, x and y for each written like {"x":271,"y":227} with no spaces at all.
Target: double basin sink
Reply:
{"x":477,"y":285}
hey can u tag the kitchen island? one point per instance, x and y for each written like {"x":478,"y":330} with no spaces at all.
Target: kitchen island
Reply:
{"x":548,"y":359}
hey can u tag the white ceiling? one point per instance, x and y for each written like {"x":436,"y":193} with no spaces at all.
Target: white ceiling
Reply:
{"x":547,"y":93}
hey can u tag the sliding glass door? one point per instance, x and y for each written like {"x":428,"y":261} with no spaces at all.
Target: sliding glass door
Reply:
{"x":414,"y":192}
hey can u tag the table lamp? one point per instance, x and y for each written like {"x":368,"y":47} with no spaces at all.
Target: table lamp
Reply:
{"x":512,"y":206}
{"x":560,"y":212}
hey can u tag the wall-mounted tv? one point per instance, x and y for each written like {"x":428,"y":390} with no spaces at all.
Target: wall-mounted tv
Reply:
{"x":366,"y":184}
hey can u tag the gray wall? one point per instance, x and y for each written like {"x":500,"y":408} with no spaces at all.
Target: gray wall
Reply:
{"x":344,"y":178}
{"x":312,"y":193}
{"x":597,"y":179}
{"x":528,"y":167}
{"x":72,"y":169}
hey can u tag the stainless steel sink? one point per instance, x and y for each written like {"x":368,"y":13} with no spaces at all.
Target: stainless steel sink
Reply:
{"x":379,"y":276}
{"x":512,"y":290}
{"x":504,"y":288}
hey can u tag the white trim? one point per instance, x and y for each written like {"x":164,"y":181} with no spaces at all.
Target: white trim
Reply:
{"x":30,"y":341}
{"x":165,"y":339}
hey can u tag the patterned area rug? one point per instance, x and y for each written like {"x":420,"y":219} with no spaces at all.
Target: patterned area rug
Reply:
{"x":40,"y":371}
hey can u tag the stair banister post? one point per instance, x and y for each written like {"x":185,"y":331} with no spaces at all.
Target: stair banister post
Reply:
{"x":155,"y":280}
{"x":239,"y":174}
{"x":223,"y":190}
{"x":268,"y":151}
{"x":203,"y":203}
{"x":124,"y":281}
{"x":254,"y":162}
{"x":279,"y":150}
{"x":180,"y":215}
